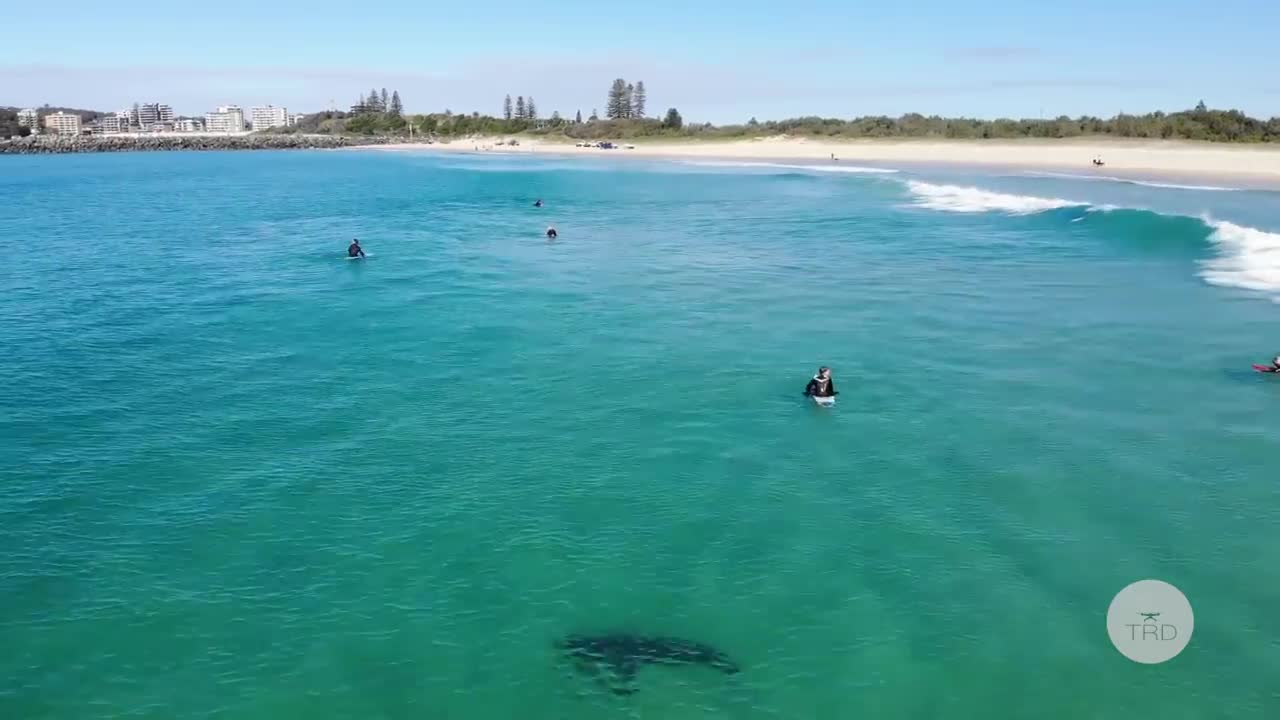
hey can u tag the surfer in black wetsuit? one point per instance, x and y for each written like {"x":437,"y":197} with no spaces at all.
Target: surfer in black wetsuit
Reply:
{"x":551,"y":233}
{"x":354,"y":250}
{"x":1275,"y":364}
{"x":821,"y":384}
{"x":538,"y":203}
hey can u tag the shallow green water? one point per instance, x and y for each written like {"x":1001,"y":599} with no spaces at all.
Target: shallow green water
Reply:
{"x":245,"y":478}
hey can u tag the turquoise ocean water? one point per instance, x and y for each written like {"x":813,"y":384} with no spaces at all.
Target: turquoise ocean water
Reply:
{"x":243,"y":477}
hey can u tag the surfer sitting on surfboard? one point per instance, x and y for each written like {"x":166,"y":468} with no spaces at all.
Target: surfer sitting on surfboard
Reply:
{"x":821,"y":384}
{"x":354,"y":250}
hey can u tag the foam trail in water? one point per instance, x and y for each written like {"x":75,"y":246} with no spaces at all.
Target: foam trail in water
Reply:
{"x":1250,"y":258}
{"x":856,"y":169}
{"x":1129,"y":181}
{"x":956,"y":198}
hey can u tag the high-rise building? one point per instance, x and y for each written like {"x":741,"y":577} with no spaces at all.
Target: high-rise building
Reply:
{"x":189,"y":125}
{"x":61,"y":123}
{"x":270,"y":116}
{"x":29,"y":118}
{"x":227,"y":119}
{"x":151,"y":115}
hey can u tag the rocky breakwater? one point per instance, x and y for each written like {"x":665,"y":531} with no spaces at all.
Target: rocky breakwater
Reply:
{"x":134,"y":143}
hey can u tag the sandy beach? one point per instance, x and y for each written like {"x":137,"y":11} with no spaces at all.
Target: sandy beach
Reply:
{"x":1255,"y":164}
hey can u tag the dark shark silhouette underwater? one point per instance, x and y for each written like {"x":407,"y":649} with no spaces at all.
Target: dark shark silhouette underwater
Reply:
{"x":615,"y":659}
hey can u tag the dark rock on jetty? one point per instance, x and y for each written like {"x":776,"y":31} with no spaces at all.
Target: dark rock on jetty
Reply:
{"x":128,"y":143}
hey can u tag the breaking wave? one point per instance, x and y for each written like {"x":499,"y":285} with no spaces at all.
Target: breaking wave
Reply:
{"x":962,"y":199}
{"x":1247,"y":257}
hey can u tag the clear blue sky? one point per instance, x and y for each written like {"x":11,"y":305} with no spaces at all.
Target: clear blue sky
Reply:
{"x":718,"y":62}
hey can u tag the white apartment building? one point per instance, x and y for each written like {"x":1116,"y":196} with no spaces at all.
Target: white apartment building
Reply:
{"x":61,"y":123}
{"x":113,"y":124}
{"x":227,"y":119}
{"x":270,"y":116}
{"x":151,"y":115}
{"x":29,"y":118}
{"x":189,"y":125}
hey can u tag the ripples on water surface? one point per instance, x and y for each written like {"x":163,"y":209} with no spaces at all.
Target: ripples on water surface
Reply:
{"x":245,"y":478}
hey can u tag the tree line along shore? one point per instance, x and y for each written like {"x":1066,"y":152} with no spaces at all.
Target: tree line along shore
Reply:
{"x":379,"y":118}
{"x":625,"y":118}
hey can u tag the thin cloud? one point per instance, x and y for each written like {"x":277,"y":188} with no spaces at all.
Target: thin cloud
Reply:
{"x":992,"y":53}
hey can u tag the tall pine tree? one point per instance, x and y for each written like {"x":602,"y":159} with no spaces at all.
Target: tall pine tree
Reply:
{"x":616,"y":108}
{"x":397,"y":109}
{"x":530,"y":110}
{"x":637,"y":100}
{"x":385,"y":101}
{"x":594,"y":116}
{"x":506,"y":108}
{"x":373,"y":101}
{"x":631,"y":89}
{"x":520,"y":107}
{"x":578,"y":119}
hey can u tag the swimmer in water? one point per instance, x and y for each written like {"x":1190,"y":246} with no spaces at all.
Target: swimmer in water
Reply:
{"x":551,"y":233}
{"x":354,"y":250}
{"x":821,"y":384}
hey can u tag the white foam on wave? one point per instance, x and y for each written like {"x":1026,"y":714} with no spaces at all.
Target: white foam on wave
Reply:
{"x":855,"y":169}
{"x":1250,"y":258}
{"x":1130,"y":181}
{"x":961,"y":199}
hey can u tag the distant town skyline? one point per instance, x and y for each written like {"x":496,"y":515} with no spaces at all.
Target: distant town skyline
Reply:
{"x":720,"y":65}
{"x":153,"y":117}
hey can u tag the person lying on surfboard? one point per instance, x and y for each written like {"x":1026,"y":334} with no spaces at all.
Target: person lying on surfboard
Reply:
{"x":1274,"y":367}
{"x":354,"y":250}
{"x":821,"y":384}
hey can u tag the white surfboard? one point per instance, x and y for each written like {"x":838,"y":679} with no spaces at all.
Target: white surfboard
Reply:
{"x":826,"y":401}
